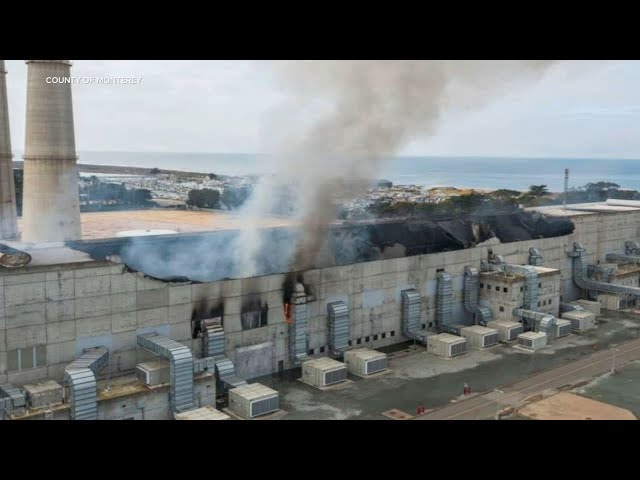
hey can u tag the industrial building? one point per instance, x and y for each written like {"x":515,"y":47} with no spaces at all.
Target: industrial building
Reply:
{"x":86,"y":335}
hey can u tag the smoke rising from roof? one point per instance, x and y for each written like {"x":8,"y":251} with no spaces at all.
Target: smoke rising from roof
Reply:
{"x":373,"y":109}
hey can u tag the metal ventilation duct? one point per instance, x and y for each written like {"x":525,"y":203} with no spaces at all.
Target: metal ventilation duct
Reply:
{"x":535,"y":256}
{"x":298,"y":325}
{"x":226,"y":373}
{"x":580,"y":278}
{"x":180,"y":368}
{"x":444,"y":298}
{"x":11,"y":397}
{"x":543,"y":321}
{"x":213,"y":341}
{"x":622,"y":259}
{"x":570,"y":307}
{"x":410,"y":312}
{"x":339,"y":326}
{"x":80,"y":377}
{"x":631,"y":247}
{"x":481,"y":313}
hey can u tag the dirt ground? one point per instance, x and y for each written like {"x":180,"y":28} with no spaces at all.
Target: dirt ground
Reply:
{"x":567,"y":406}
{"x":108,"y":224}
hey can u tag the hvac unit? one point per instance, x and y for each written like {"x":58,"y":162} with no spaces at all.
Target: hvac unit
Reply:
{"x":43,"y":394}
{"x":507,"y":331}
{"x":480,"y":337}
{"x":323,"y":372}
{"x":590,"y":305}
{"x":153,"y":373}
{"x":563,"y":328}
{"x":253,"y":400}
{"x":446,"y":345}
{"x":532,"y":340}
{"x":363,"y":361}
{"x":204,"y":413}
{"x":581,"y":320}
{"x":611,"y":301}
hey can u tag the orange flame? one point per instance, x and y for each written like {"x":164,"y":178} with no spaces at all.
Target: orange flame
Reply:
{"x":287,"y":313}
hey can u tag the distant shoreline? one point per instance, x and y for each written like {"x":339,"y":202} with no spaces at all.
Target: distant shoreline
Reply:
{"x":122,"y":170}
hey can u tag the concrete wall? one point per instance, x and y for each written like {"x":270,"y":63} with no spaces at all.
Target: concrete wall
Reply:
{"x":69,"y":309}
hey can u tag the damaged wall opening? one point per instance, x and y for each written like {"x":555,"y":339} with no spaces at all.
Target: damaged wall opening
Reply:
{"x":254,"y":314}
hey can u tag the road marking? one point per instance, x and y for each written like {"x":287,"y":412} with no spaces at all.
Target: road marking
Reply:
{"x":593,"y":363}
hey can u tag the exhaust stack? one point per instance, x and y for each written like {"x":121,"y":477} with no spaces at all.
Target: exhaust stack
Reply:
{"x":51,"y":200}
{"x":8,"y":222}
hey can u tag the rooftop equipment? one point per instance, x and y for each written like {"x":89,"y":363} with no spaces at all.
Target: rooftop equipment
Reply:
{"x":43,"y":394}
{"x":532,"y":340}
{"x":153,"y":373}
{"x":363,"y":361}
{"x":411,"y":312}
{"x":563,"y":328}
{"x":479,"y":337}
{"x":507,"y":331}
{"x":446,"y":345}
{"x":204,"y":413}
{"x":581,"y":320}
{"x":589,"y":305}
{"x":180,"y":368}
{"x":253,"y":400}
{"x":80,"y":377}
{"x":444,"y":295}
{"x":323,"y":372}
{"x":339,"y":326}
{"x":482,"y":314}
{"x":298,"y":326}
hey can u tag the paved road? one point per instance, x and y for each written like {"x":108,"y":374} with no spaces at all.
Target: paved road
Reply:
{"x":485,"y":406}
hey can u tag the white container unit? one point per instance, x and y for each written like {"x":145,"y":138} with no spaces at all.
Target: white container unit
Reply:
{"x":611,"y":301}
{"x":446,"y":345}
{"x":204,"y":413}
{"x":323,"y":372}
{"x":153,"y":373}
{"x":363,"y":361}
{"x":532,"y":340}
{"x":507,"y":331}
{"x":563,"y":328}
{"x":589,"y":305}
{"x":252,"y":400}
{"x":581,"y":320}
{"x":479,"y":336}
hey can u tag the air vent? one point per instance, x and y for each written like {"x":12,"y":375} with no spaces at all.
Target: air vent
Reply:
{"x":458,"y":349}
{"x":335,"y":376}
{"x":491,"y":339}
{"x":374,"y":366}
{"x":262,"y":407}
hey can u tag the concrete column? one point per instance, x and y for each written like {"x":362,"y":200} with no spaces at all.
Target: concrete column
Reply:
{"x":8,"y":224}
{"x":51,"y":208}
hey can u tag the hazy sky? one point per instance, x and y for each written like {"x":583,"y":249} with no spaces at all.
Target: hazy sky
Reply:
{"x":579,"y":109}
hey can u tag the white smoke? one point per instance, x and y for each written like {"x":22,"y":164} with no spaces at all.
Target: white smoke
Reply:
{"x":375,"y":108}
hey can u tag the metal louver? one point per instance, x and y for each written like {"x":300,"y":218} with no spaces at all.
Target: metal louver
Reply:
{"x":80,"y":376}
{"x":180,"y":368}
{"x":298,"y":332}
{"x":264,"y":406}
{"x":444,"y":295}
{"x":525,"y":342}
{"x":489,"y":340}
{"x":213,"y":341}
{"x":410,"y":312}
{"x":514,"y":332}
{"x":339,"y":326}
{"x":377,"y":365}
{"x":335,"y":376}
{"x":458,"y":349}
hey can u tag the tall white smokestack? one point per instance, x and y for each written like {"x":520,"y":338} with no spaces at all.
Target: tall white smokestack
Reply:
{"x":8,"y":223}
{"x":51,"y":208}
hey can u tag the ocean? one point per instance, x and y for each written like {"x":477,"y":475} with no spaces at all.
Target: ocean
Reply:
{"x":480,"y":172}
